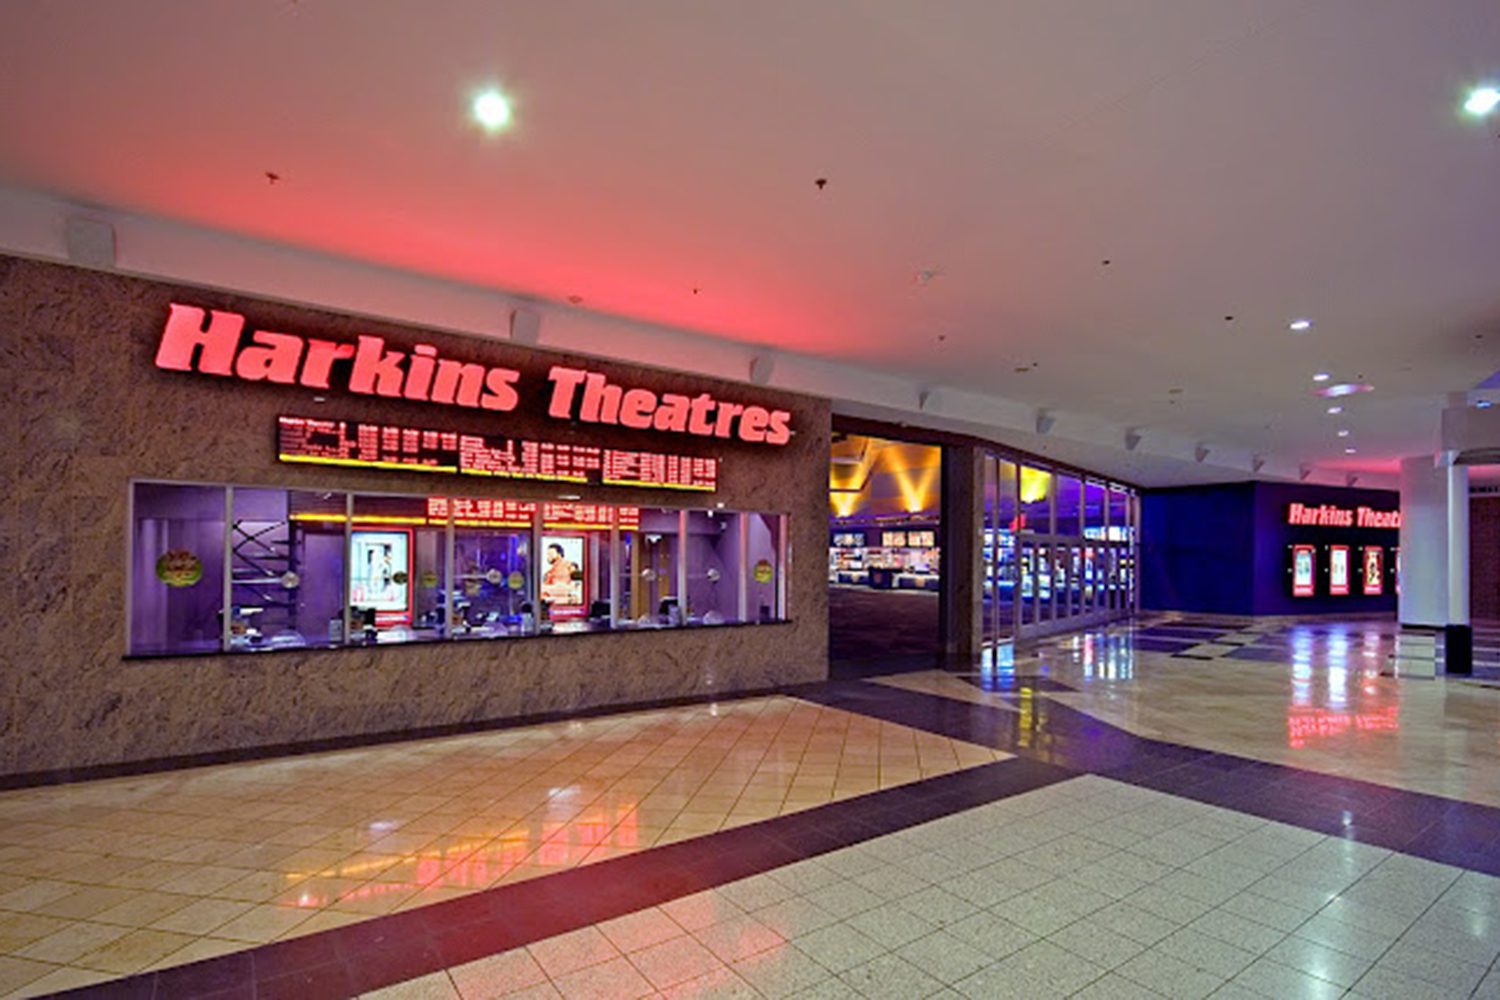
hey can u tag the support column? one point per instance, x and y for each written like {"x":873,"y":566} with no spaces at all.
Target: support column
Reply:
{"x":960,"y":604}
{"x":1434,"y":586}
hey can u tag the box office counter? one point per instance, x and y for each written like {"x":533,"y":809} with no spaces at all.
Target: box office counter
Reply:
{"x":177,"y":520}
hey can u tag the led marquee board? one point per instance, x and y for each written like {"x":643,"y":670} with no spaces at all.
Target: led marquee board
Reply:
{"x":392,"y":446}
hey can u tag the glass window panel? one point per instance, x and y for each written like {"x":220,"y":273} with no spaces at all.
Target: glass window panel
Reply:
{"x":177,"y":569}
{"x":286,"y":569}
{"x":714,"y":571}
{"x":1094,"y":502}
{"x":765,"y":552}
{"x":1036,"y":500}
{"x":1119,"y":515}
{"x":655,"y":563}
{"x":397,"y":559}
{"x":492,"y":578}
{"x":1067,"y":506}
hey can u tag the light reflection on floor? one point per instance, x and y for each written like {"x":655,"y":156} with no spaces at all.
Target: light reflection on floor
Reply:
{"x":1316,"y":695}
{"x":108,"y":878}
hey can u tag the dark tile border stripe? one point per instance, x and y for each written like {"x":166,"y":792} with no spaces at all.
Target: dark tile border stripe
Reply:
{"x":385,"y":950}
{"x":1053,"y":742}
{"x":1450,"y":831}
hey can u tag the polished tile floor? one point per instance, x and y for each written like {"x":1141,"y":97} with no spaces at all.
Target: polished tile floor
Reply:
{"x":1319,"y":696}
{"x":1181,"y":808}
{"x":1086,"y":888}
{"x":114,"y":877}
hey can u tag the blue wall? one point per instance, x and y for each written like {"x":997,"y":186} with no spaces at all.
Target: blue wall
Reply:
{"x":1197,"y":549}
{"x":1226,"y":549}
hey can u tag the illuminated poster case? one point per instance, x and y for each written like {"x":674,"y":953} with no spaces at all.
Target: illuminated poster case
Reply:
{"x":1338,"y":570}
{"x":1304,"y":570}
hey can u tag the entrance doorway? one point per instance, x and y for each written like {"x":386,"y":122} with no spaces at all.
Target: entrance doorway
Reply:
{"x":884,"y":561}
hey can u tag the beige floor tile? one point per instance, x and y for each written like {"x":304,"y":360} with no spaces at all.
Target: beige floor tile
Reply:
{"x":65,"y":946}
{"x":257,"y":886}
{"x":262,"y":923}
{"x":322,"y":921}
{"x":199,"y":950}
{"x":134,"y":951}
{"x":143,"y":909}
{"x":36,"y":894}
{"x":54,"y":980}
{"x":202,"y":916}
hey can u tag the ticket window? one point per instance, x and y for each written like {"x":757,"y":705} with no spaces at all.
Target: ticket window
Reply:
{"x":286,"y":575}
{"x":177,"y":568}
{"x":492,"y":581}
{"x":716,"y":547}
{"x":765,"y":567}
{"x":653,"y":554}
{"x":397,"y":560}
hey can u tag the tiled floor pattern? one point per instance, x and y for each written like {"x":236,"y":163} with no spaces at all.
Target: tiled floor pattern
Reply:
{"x":1310,"y":696}
{"x":109,"y":878}
{"x":1087,"y":888}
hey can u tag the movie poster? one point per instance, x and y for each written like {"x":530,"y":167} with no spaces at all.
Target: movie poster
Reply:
{"x":562,"y":574}
{"x":1374,"y":570}
{"x":1304,"y":563}
{"x":380,"y":571}
{"x":1338,"y":570}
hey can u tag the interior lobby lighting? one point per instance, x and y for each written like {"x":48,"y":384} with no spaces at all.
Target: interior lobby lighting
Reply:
{"x":1482,"y":101}
{"x":1343,"y":433}
{"x":1349,"y":451}
{"x":1322,"y":377}
{"x":492,"y":110}
{"x":1335,"y":410}
{"x":1299,"y":325}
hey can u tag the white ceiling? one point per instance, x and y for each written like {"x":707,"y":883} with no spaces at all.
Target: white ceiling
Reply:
{"x":1264,"y":159}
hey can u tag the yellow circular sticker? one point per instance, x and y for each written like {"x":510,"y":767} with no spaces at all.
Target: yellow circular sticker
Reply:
{"x":515,"y":580}
{"x":179,"y":568}
{"x":764,"y":572}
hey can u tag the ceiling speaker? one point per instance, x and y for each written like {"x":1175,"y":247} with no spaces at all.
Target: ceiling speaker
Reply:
{"x":761,"y":367}
{"x":1044,"y":422}
{"x":1257,"y":462}
{"x":90,"y":242}
{"x":1200,"y":453}
{"x":1132,"y":439}
{"x":525,"y":326}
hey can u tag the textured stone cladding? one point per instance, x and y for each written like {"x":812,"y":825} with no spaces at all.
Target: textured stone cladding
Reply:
{"x":87,"y":411}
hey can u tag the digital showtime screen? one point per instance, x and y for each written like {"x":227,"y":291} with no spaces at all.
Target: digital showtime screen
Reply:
{"x":391,"y":446}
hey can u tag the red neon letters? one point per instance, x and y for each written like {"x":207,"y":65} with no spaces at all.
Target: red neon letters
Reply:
{"x":214,"y":342}
{"x":1329,"y":516}
{"x":217,"y":349}
{"x":600,"y":402}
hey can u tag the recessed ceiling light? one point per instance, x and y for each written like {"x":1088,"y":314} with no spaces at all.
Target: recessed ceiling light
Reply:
{"x":1345,"y":389}
{"x":1349,"y":451}
{"x":1484,"y":404}
{"x":1299,"y":325}
{"x":491,"y":109}
{"x":1482,"y":100}
{"x":1335,"y":410}
{"x":1343,"y":433}
{"x":1322,"y":377}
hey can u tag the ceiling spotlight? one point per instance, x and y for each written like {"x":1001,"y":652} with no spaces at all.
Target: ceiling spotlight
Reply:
{"x":1299,"y":325}
{"x":1322,"y":377}
{"x":1484,"y":404}
{"x":1343,"y":433}
{"x":492,"y":110}
{"x":1335,"y":410}
{"x":1349,"y":451}
{"x":1345,"y":389}
{"x":1482,"y":101}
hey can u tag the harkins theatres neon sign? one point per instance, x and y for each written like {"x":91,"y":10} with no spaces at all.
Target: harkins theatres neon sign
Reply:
{"x":214,"y":342}
{"x":1330,"y":516}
